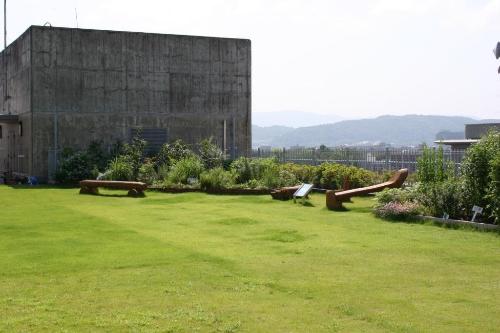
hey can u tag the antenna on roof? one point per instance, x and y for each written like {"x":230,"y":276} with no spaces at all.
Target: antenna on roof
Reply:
{"x":76,"y":18}
{"x":496,"y":52}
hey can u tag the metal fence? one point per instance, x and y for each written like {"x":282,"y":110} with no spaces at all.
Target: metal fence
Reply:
{"x":375,"y":159}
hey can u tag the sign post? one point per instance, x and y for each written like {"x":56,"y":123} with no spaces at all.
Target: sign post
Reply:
{"x":302,"y":192}
{"x":476,"y":210}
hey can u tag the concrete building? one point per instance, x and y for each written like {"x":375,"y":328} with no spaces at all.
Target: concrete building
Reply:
{"x":473,"y":133}
{"x":63,"y":87}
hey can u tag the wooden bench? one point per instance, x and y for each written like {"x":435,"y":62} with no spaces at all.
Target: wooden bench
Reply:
{"x":334,"y":199}
{"x":135,"y":189}
{"x":284,"y":193}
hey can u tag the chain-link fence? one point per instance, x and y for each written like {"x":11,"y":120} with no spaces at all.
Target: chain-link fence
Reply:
{"x":375,"y":159}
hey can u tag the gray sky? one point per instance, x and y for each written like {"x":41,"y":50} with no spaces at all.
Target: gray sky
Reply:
{"x":351,"y":58}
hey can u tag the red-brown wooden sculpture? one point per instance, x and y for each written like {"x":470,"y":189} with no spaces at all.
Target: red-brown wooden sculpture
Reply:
{"x":334,"y":199}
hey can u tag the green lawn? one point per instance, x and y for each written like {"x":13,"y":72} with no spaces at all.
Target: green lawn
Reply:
{"x":197,"y":262}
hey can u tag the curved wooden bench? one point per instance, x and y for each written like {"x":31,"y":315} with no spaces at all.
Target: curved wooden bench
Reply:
{"x":334,"y":199}
{"x":135,"y":189}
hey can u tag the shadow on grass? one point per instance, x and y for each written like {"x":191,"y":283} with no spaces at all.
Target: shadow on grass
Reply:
{"x":115,"y":195}
{"x":341,"y":209}
{"x":74,"y":187}
{"x":360,"y":209}
{"x":43,"y":187}
{"x":306,"y":204}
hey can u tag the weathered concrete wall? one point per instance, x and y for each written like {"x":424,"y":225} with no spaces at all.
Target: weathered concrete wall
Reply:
{"x":476,"y":131}
{"x":100,"y":84}
{"x":15,"y":98}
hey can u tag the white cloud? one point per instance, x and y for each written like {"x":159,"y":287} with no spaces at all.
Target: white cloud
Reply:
{"x":397,"y":7}
{"x":473,"y":17}
{"x":451,"y":14}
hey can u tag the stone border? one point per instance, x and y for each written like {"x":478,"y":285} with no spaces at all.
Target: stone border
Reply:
{"x":477,"y":225}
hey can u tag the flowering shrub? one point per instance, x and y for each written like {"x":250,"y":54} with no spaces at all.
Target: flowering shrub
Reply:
{"x":397,"y":210}
{"x":399,"y":195}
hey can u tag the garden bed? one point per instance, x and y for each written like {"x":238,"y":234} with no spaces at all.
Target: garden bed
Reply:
{"x":477,"y":225}
{"x":164,"y":189}
{"x":230,"y":191}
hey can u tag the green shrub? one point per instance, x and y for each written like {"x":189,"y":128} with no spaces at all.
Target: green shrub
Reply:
{"x":442,"y":197}
{"x":303,"y":173}
{"x":216,"y":179}
{"x":147,"y":172}
{"x":269,"y":173}
{"x":74,"y":167}
{"x":332,"y":176}
{"x":246,"y":169}
{"x":127,"y":165}
{"x":97,"y":157}
{"x":479,"y":173}
{"x":183,"y":169}
{"x":78,"y":165}
{"x":243,"y":169}
{"x":275,"y":177}
{"x":120,"y":168}
{"x":253,"y":183}
{"x":431,"y":166}
{"x":210,"y":154}
{"x":163,"y":171}
{"x":493,"y":194}
{"x":133,"y":154}
{"x":171,"y":153}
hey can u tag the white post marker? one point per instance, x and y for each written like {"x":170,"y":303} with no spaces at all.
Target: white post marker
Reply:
{"x":476,"y":210}
{"x":446,"y":216}
{"x":302,"y":192}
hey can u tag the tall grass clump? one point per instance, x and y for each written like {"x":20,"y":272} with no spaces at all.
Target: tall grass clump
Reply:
{"x":185,"y":169}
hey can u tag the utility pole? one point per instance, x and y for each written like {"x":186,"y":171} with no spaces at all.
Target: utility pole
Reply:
{"x":4,"y":55}
{"x":4,"y":24}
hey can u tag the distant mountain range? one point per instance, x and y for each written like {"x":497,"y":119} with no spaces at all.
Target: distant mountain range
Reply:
{"x":292,"y":119}
{"x":409,"y":130}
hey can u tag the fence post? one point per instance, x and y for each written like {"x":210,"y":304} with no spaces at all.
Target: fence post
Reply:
{"x":283,"y":159}
{"x":402,"y":158}
{"x":387,"y":158}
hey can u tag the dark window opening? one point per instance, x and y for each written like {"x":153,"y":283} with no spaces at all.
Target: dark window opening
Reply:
{"x":155,"y":138}
{"x":20,"y":128}
{"x":1,"y":135}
